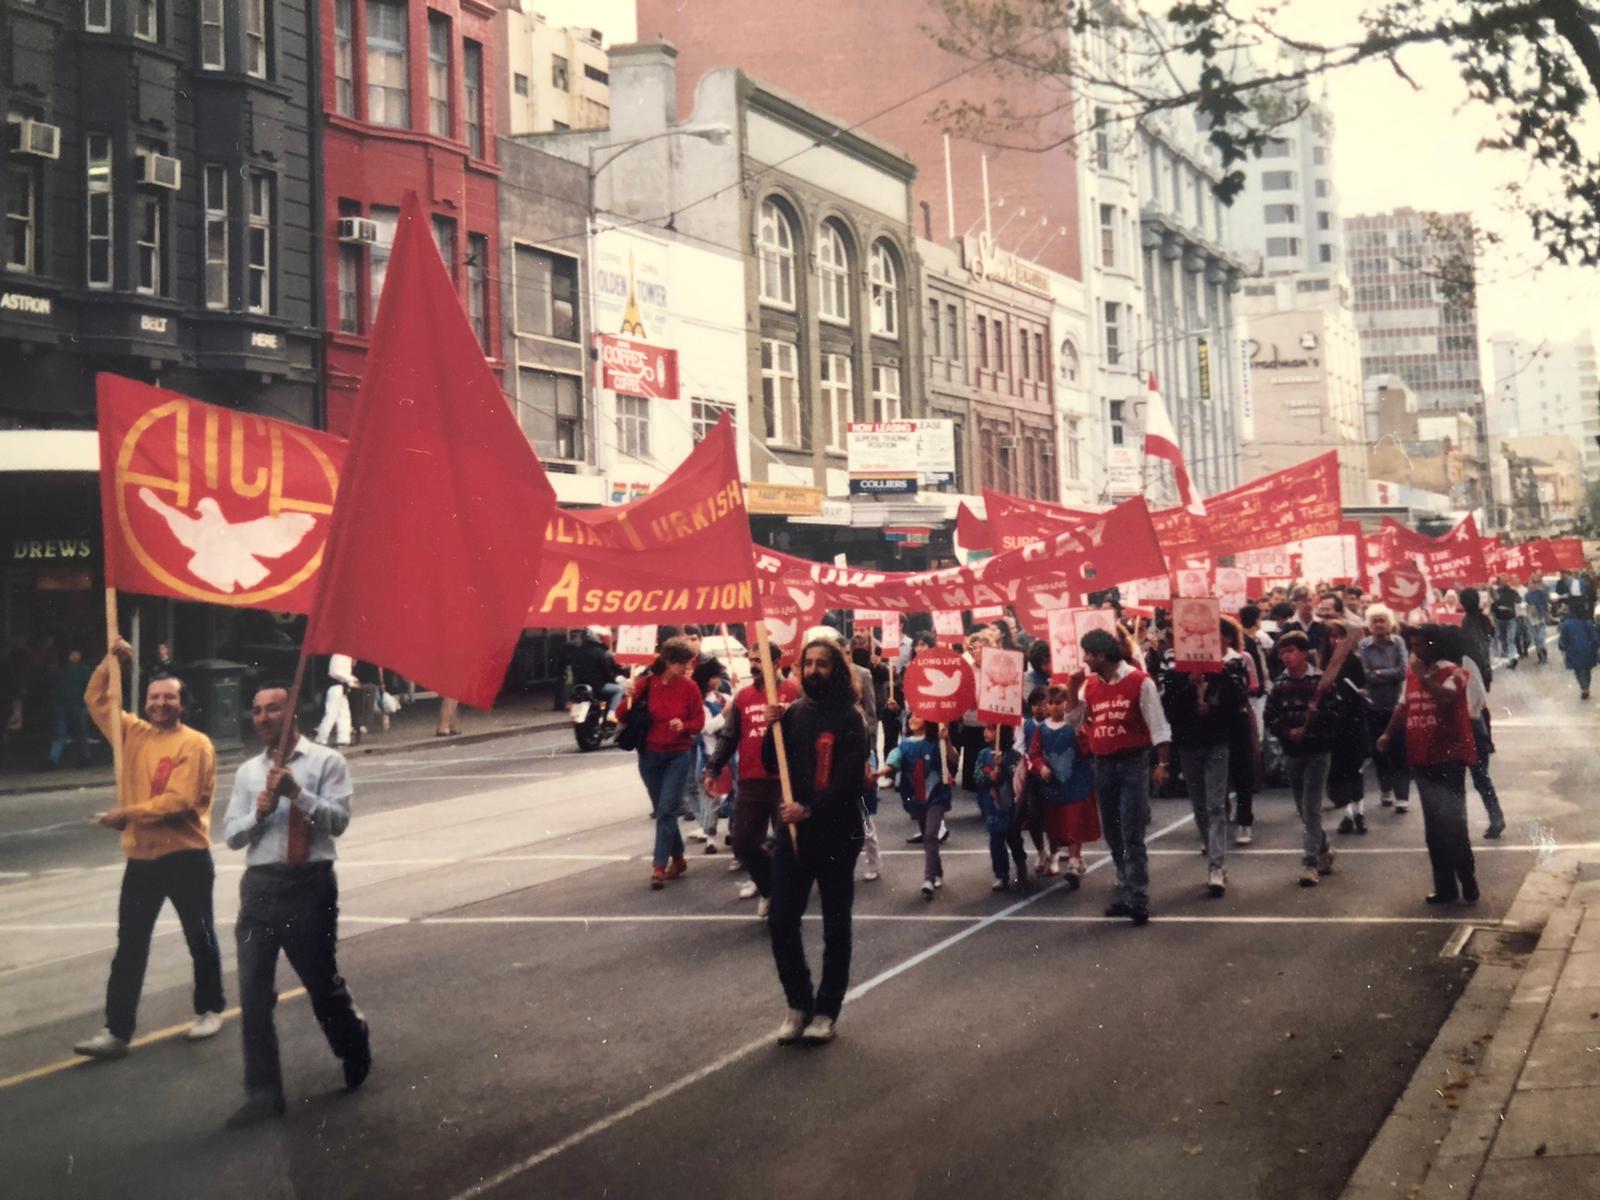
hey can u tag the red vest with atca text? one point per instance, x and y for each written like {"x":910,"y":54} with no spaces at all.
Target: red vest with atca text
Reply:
{"x":1116,"y":722}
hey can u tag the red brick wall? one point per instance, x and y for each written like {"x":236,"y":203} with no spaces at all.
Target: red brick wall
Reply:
{"x":853,"y":58}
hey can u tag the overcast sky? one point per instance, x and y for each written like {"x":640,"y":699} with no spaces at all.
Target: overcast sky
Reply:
{"x":1394,"y":146}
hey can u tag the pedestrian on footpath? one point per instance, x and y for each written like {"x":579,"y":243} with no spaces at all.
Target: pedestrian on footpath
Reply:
{"x":169,"y":775}
{"x":1383,"y":658}
{"x":757,"y":794}
{"x":336,"y":703}
{"x":1063,"y":778}
{"x":1126,"y":727}
{"x":286,"y":819}
{"x":676,"y":714}
{"x":825,"y":745}
{"x":1302,"y":730}
{"x":1579,"y":642}
{"x":924,"y":792}
{"x":1483,"y":747}
{"x":1201,"y":707}
{"x":1439,"y":748}
{"x":998,"y":764}
{"x":71,"y":717}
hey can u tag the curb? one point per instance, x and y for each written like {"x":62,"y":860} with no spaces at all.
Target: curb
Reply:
{"x":556,"y":721}
{"x":1437,"y":1137}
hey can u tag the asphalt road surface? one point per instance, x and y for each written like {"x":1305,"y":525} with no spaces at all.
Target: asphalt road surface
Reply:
{"x":544,"y":1025}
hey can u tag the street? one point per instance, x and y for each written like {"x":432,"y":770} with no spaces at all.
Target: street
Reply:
{"x":543,"y":1024}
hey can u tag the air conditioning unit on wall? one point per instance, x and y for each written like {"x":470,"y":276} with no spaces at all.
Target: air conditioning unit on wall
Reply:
{"x":28,"y":136}
{"x":160,"y":170}
{"x":358,"y":230}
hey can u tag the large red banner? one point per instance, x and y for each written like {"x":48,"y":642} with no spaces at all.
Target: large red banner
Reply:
{"x":1453,"y":560}
{"x":205,"y":503}
{"x":680,"y":554}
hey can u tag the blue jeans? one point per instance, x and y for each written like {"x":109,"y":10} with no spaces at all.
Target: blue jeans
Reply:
{"x":1480,"y":773}
{"x":612,"y":694}
{"x":1506,"y":632}
{"x":1582,"y":674}
{"x":1308,"y":778}
{"x":663,"y":776}
{"x":71,"y":726}
{"x":1122,"y":785}
{"x":1205,"y":774}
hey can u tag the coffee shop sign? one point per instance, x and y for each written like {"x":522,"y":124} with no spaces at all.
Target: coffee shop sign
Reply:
{"x":986,"y":262}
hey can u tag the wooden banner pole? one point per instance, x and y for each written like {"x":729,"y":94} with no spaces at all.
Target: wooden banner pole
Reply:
{"x":291,"y":724}
{"x":769,"y":682}
{"x":114,"y":694}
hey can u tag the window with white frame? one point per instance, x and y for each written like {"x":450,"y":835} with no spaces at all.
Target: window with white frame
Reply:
{"x":255,"y":38}
{"x":777,"y":256}
{"x":344,"y":58}
{"x":97,"y":16}
{"x":1108,"y":236}
{"x":212,"y":39}
{"x":259,"y":243}
{"x":633,"y":426}
{"x":22,"y":219}
{"x":1277,"y":148}
{"x":439,"y":74}
{"x":214,"y":186}
{"x":780,"y":392}
{"x":1282,"y":247}
{"x":1282,"y":214}
{"x":833,"y":270}
{"x":386,"y":219}
{"x":952,"y":332}
{"x":982,"y":341}
{"x":97,"y":186}
{"x":704,"y":414}
{"x":478,"y":286}
{"x":552,"y":413}
{"x":149,"y":216}
{"x":388,"y":93}
{"x":997,"y":327}
{"x":560,"y":73}
{"x":1113,"y":327}
{"x":147,"y":20}
{"x":1102,"y":139}
{"x":1074,"y":440}
{"x":838,"y":398}
{"x":885,"y":276}
{"x":1278,"y":181}
{"x":886,"y":392}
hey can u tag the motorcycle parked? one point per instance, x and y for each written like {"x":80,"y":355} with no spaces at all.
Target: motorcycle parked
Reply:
{"x":589,"y":725}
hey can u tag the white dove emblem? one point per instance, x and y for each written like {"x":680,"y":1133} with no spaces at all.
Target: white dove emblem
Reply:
{"x":782,"y":631}
{"x":226,"y":554}
{"x":803,"y":598}
{"x":942,"y":683}
{"x":1403,"y":587}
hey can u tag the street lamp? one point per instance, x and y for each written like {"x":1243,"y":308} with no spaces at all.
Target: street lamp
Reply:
{"x":717,"y":135}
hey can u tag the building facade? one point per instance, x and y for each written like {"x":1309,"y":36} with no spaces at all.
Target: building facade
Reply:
{"x":1546,"y":389}
{"x":161,"y":225}
{"x":405,"y":108}
{"x":1288,"y":212}
{"x":552,"y":78}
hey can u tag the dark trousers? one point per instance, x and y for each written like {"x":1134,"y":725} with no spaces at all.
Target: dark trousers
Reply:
{"x":972,"y":745}
{"x":1480,"y":772}
{"x":755,"y":810}
{"x":185,"y":878}
{"x":1393,"y":775}
{"x":1008,"y":839}
{"x":295,"y":909}
{"x":890,"y":724}
{"x":792,"y":876}
{"x":1442,"y":789}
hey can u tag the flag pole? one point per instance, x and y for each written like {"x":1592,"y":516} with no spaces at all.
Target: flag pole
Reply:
{"x":114,"y":694}
{"x":291,"y":724}
{"x":770,"y":684}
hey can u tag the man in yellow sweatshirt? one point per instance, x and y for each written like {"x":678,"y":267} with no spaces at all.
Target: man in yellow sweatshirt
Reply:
{"x":169,"y":774}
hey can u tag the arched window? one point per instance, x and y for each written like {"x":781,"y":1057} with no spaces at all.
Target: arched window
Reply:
{"x":777,"y":256}
{"x":833,"y":270}
{"x":885,"y":291}
{"x":1070,"y":363}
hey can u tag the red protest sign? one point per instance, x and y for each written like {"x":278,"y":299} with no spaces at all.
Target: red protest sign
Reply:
{"x":1197,"y":634}
{"x":940,"y":686}
{"x":947,"y":624}
{"x":636,"y":645}
{"x":1402,"y":587}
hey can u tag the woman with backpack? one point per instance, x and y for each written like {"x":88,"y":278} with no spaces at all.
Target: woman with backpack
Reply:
{"x":661,"y":719}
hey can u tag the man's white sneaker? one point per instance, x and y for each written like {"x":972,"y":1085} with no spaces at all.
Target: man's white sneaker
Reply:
{"x":104,"y":1044}
{"x":793,"y":1025}
{"x":820,"y":1030}
{"x":1400,"y":806}
{"x":735,"y":867}
{"x":927,"y":889}
{"x":763,"y":908}
{"x":870,"y":874}
{"x":747,"y":890}
{"x":697,"y":835}
{"x":1242,"y":836}
{"x":205,"y":1025}
{"x":1217,"y":881}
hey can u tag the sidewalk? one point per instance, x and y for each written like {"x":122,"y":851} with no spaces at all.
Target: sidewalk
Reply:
{"x":412,"y":728}
{"x":1506,"y":1103}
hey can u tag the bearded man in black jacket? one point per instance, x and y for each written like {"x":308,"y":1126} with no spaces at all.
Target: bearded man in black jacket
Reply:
{"x":825,"y":745}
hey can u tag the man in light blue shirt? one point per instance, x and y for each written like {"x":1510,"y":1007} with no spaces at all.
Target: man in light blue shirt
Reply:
{"x":286,"y":819}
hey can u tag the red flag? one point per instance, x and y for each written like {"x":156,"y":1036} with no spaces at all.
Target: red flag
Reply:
{"x":1161,"y":442}
{"x":431,"y":561}
{"x":972,"y":531}
{"x":205,"y":503}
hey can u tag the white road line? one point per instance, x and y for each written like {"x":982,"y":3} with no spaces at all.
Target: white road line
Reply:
{"x":733,"y":1056}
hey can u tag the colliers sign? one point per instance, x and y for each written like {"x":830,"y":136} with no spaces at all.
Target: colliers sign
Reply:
{"x":986,"y":263}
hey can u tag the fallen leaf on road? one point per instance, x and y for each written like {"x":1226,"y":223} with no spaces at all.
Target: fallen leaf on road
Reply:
{"x":1193,"y":1149}
{"x":1277,"y":1091}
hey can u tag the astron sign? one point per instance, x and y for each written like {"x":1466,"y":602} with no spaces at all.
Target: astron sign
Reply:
{"x":38,"y":306}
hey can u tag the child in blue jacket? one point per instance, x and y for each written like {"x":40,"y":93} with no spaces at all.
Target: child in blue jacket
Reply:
{"x":1002,"y":812}
{"x":924,"y":790}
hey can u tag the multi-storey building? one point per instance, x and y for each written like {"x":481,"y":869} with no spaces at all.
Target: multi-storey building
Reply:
{"x":1288,"y":211}
{"x":1304,"y":358}
{"x":552,"y":78}
{"x":405,"y":108}
{"x":1191,"y":271}
{"x":161,"y":223}
{"x":1546,"y":389}
{"x":819,"y":218}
